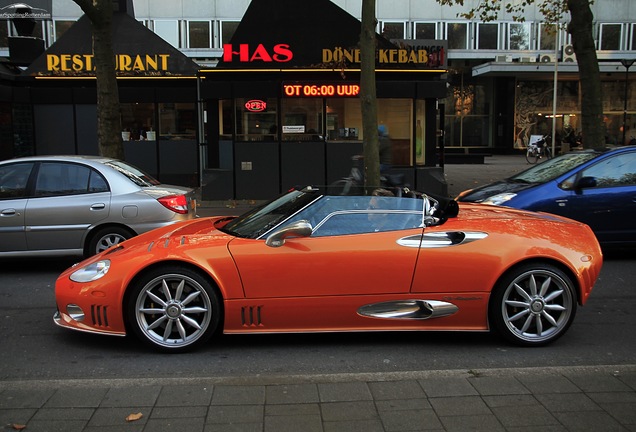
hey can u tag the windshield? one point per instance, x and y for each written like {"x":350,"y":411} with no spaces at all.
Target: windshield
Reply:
{"x":133,"y":173}
{"x":553,"y":168}
{"x":269,"y":215}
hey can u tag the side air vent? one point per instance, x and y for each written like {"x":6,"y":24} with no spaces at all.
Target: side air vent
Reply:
{"x":99,"y":315}
{"x":251,"y":316}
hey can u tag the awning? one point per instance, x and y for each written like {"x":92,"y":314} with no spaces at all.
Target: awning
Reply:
{"x":139,"y":52}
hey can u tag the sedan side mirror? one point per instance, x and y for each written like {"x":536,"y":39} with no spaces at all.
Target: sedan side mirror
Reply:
{"x":300,"y":228}
{"x":586,"y":183}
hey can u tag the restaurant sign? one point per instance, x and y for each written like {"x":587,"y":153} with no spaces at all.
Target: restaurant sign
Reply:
{"x":60,"y":63}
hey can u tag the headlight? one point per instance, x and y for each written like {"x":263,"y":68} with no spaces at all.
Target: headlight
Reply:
{"x":499,"y":199}
{"x":91,"y":272}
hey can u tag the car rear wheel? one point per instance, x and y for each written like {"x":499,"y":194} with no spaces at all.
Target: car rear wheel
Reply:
{"x":107,"y":237}
{"x":533,"y":305}
{"x":173,"y":309}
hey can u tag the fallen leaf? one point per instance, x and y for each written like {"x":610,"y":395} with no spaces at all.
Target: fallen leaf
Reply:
{"x":17,"y":426}
{"x":134,"y":417}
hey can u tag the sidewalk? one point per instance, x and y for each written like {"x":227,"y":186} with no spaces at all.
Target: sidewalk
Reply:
{"x":546,"y":399}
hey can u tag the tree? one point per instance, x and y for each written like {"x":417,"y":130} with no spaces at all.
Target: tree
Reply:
{"x":368,"y":99}
{"x":580,"y":28}
{"x":100,"y":13}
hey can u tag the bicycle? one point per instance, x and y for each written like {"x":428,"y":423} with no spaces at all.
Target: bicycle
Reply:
{"x":351,"y":185}
{"x":538,"y":150}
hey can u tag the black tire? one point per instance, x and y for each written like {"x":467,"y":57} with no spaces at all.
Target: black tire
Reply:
{"x":533,"y":305}
{"x":531,"y":155}
{"x":105,"y":238}
{"x":172,"y":309}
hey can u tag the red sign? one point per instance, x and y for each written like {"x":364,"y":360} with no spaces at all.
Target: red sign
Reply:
{"x":256,"y":105}
{"x":279,"y":53}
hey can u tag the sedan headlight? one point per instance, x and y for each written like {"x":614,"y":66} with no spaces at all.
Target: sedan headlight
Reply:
{"x":91,"y":272}
{"x":499,"y":199}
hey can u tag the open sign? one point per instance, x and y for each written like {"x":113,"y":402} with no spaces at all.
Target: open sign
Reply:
{"x":256,"y":105}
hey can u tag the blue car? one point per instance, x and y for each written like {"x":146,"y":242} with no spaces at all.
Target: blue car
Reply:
{"x":597,"y":187}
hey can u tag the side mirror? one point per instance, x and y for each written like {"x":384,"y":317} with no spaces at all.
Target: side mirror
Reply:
{"x":586,"y":183}
{"x":300,"y":228}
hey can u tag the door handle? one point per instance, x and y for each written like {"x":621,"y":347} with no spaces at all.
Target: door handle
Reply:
{"x":98,"y":206}
{"x":8,"y":212}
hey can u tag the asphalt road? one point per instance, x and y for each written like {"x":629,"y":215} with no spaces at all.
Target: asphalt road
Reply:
{"x":34,"y":348}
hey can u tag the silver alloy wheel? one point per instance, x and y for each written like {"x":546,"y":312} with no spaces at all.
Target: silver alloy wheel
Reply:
{"x":173,"y":311}
{"x":537,"y":306}
{"x":109,"y":240}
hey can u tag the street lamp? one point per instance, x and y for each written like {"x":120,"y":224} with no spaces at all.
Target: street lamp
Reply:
{"x":627,"y":63}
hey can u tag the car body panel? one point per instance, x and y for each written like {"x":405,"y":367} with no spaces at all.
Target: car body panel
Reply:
{"x":61,"y":222}
{"x":282,"y":272}
{"x":12,"y":225}
{"x":609,"y":209}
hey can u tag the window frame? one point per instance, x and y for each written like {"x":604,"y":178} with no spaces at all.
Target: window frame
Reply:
{"x":621,"y":26}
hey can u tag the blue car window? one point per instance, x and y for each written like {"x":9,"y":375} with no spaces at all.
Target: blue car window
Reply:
{"x":619,"y":170}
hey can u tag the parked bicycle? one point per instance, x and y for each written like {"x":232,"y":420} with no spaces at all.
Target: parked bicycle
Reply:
{"x":353,"y":184}
{"x":538,"y":150}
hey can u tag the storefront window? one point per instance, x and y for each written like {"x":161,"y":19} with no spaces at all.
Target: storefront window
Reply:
{"x":467,"y":114}
{"x":425,"y":31}
{"x":137,"y":120}
{"x":457,"y":35}
{"x":302,"y":119}
{"x":256,"y":120}
{"x":344,"y":119}
{"x":199,"y":34}
{"x":519,"y":36}
{"x":487,"y":36}
{"x":177,"y":121}
{"x":226,"y":106}
{"x":396,"y":117}
{"x":610,"y":36}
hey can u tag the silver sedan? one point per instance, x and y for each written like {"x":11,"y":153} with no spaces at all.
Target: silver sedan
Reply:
{"x":81,"y":205}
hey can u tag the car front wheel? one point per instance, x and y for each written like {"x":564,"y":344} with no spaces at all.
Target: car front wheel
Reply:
{"x":533,"y":305}
{"x":173,"y":309}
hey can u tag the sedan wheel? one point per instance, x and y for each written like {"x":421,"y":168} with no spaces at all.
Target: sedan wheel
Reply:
{"x":533,"y":305}
{"x":173,"y":309}
{"x":106,"y":238}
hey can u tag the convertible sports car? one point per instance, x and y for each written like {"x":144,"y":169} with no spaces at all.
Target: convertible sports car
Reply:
{"x":309,"y":262}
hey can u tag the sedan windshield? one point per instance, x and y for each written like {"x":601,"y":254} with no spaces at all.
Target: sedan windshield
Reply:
{"x":267,"y":216}
{"x":553,"y":168}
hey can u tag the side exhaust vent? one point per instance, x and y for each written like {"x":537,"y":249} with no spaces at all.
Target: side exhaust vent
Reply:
{"x":251,"y":316}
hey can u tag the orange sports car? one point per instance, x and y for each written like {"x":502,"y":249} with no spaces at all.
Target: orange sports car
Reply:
{"x":311,"y":262}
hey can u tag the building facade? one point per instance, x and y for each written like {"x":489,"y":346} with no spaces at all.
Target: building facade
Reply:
{"x":499,"y":80}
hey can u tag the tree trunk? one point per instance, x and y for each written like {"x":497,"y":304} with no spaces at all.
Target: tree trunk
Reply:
{"x":580,"y":28}
{"x":100,"y":13}
{"x":368,"y":99}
